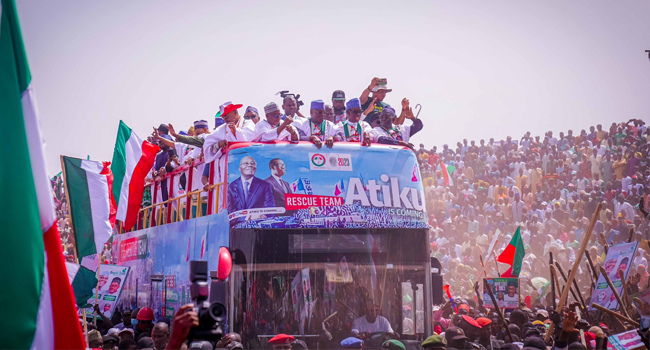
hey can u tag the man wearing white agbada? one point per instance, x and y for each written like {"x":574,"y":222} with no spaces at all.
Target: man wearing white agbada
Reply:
{"x":236,"y":128}
{"x":271,"y":129}
{"x":353,"y":129}
{"x":316,"y":129}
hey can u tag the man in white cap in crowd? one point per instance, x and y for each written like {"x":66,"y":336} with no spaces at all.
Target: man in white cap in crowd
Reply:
{"x":236,"y":128}
{"x":316,"y":129}
{"x":273,"y":128}
{"x":353,"y":129}
{"x":391,"y":134}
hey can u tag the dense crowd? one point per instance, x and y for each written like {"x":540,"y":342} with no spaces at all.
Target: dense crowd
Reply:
{"x":549,"y":187}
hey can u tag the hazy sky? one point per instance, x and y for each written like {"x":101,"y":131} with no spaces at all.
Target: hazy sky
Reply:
{"x":480,"y":69}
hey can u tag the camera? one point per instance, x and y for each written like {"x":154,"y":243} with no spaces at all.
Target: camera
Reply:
{"x":286,"y":93}
{"x":212,"y":314}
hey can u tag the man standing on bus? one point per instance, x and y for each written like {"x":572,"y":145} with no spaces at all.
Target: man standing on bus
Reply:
{"x":290,"y":106}
{"x":271,"y":129}
{"x":391,"y":134}
{"x":338,"y":104}
{"x":352,"y":129}
{"x":316,"y":129}
{"x":236,"y":128}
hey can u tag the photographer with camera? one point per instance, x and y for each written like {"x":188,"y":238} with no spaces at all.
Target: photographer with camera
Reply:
{"x":184,"y":320}
{"x":290,"y":105}
{"x":202,"y":323}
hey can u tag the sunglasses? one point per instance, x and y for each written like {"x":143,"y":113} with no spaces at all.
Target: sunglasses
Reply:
{"x":356,"y":111}
{"x":250,"y":117}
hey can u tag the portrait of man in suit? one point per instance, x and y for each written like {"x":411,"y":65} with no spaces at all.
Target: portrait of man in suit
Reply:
{"x":248,"y":191}
{"x":278,"y":185}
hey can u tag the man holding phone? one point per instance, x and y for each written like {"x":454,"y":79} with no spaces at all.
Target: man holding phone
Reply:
{"x":373,"y":105}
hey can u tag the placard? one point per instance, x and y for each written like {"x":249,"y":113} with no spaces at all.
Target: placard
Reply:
{"x":506,"y":292}
{"x":110,"y":284}
{"x":619,"y":257}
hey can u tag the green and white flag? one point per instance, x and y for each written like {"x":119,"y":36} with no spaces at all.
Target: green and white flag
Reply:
{"x":83,"y":282}
{"x":36,"y":290}
{"x":92,"y":206}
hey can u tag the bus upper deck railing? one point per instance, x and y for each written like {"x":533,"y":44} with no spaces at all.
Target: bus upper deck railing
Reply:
{"x":186,"y":204}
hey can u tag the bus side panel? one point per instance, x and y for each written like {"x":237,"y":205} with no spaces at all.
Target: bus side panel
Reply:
{"x":167,"y":250}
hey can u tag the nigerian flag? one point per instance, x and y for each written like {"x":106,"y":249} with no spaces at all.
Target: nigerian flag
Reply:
{"x":37,"y":289}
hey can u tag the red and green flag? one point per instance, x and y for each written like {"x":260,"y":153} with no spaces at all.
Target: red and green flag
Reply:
{"x":513,"y":255}
{"x":37,"y":302}
{"x":132,"y":160}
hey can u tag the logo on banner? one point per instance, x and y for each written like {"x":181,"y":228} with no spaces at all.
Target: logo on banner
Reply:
{"x":317,"y":159}
{"x":330,"y":161}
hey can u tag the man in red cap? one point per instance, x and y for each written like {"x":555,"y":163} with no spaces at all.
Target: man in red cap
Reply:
{"x":236,"y":128}
{"x":281,"y":342}
{"x":469,"y":327}
{"x":485,"y":337}
{"x":145,"y":322}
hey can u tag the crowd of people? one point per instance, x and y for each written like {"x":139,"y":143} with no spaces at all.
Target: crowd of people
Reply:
{"x":549,"y":187}
{"x":365,"y":120}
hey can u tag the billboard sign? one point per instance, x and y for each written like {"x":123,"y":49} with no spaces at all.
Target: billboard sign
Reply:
{"x":348,"y":186}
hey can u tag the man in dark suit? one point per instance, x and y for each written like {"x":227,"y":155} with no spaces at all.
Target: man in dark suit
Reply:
{"x":248,"y":191}
{"x":278,"y":185}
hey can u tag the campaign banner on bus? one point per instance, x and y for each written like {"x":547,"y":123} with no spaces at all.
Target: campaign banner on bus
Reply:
{"x":166,"y":251}
{"x":109,"y":288}
{"x":619,"y":257}
{"x":347,"y":186}
{"x":506,"y":292}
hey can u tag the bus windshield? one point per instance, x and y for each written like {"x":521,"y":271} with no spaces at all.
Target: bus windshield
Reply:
{"x":345,"y":281}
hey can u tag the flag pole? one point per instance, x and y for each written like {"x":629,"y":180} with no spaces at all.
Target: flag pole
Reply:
{"x":611,"y":286}
{"x":574,"y":270}
{"x":99,"y":266}
{"x":552,"y":279}
{"x":497,"y":265}
{"x":486,"y":285}
{"x":83,"y":312}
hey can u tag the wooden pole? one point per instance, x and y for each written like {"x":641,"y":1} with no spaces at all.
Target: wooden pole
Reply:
{"x":497,"y":265}
{"x":483,"y":265}
{"x":615,"y":314}
{"x":574,"y":270}
{"x":593,"y":269}
{"x":486,"y":285}
{"x":557,"y":281}
{"x":552,"y":279}
{"x":626,"y":296}
{"x":83,"y":313}
{"x":97,"y":288}
{"x":575,"y":292}
{"x":611,"y":286}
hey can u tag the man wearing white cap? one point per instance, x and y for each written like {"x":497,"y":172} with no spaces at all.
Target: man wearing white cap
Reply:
{"x":316,"y":129}
{"x":236,"y":128}
{"x":353,"y":129}
{"x":273,"y":128}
